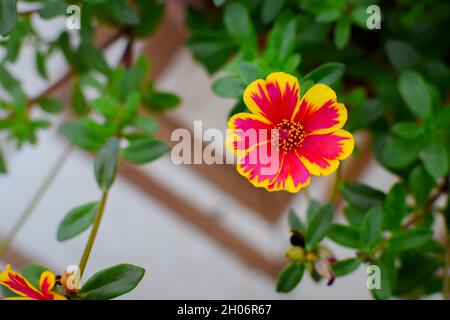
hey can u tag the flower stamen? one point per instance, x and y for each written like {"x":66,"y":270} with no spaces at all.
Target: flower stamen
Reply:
{"x":288,"y":134}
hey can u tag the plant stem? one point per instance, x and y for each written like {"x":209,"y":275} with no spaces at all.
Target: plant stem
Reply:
{"x":96,"y":225}
{"x":4,"y":246}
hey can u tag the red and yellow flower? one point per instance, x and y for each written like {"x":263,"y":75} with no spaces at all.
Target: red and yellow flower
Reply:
{"x":26,"y":291}
{"x":307,"y":133}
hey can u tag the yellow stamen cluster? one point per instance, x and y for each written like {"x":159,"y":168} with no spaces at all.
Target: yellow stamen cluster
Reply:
{"x":289,"y":135}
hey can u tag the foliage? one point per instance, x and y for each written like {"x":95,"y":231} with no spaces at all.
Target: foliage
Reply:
{"x":395,"y":82}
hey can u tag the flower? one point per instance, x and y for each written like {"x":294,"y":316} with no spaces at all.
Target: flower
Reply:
{"x":26,"y":291}
{"x":302,"y":137}
{"x":323,"y":265}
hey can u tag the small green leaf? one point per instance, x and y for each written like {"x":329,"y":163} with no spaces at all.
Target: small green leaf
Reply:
{"x":361,"y":196}
{"x":270,"y":9}
{"x":229,"y":87}
{"x":51,"y":105}
{"x":319,"y":226}
{"x":420,"y":184}
{"x":346,"y":236}
{"x":415,"y":93}
{"x":112,"y":282}
{"x":395,"y":207}
{"x":281,"y":43}
{"x":3,"y":168}
{"x":342,"y":32}
{"x":442,"y":118}
{"x":328,"y":73}
{"x":371,"y":228}
{"x":77,"y":220}
{"x":82,"y":134}
{"x":132,"y":102}
{"x":106,"y":105}
{"x":239,"y":25}
{"x":146,"y":124}
{"x":328,"y":16}
{"x":40,"y":64}
{"x":290,"y":276}
{"x":33,"y":272}
{"x":161,"y":101}
{"x":409,"y":239}
{"x":105,"y":165}
{"x":362,"y":116}
{"x":400,"y":153}
{"x":144,"y":149}
{"x":218,"y":3}
{"x":436,"y":159}
{"x":78,"y":100}
{"x":408,"y":130}
{"x":249,"y":72}
{"x":313,"y":207}
{"x":8,"y":15}
{"x":384,"y":292}
{"x":401,"y":55}
{"x":53,"y":9}
{"x":345,"y":267}
{"x":294,"y":222}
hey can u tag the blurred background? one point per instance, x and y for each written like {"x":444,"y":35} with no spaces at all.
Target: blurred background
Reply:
{"x":201,"y":231}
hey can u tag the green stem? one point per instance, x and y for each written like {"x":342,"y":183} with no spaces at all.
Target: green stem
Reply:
{"x":446,"y":289}
{"x":4,"y":246}
{"x":91,"y":240}
{"x":337,"y":183}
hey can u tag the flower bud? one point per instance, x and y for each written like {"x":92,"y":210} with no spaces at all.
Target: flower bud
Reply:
{"x":295,"y":253}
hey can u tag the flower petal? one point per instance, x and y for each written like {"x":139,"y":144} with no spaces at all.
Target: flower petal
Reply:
{"x":293,"y":175}
{"x":275,"y":98}
{"x":260,"y":164}
{"x":46,"y":283}
{"x":245,"y":130}
{"x":18,"y":284}
{"x":320,"y":153}
{"x":319,"y":111}
{"x":324,"y":269}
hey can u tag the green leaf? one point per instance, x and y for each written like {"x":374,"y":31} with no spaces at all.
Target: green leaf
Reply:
{"x":112,"y":282}
{"x":313,"y":207}
{"x":408,"y":130}
{"x":8,"y":15}
{"x":319,"y":225}
{"x":229,"y":87}
{"x":151,"y":15}
{"x":361,"y":196}
{"x":362,"y":116}
{"x":122,"y":12}
{"x":270,"y":9}
{"x":3,"y":168}
{"x":436,"y":159}
{"x":442,"y":118}
{"x":342,"y":33}
{"x":132,"y":80}
{"x":144,"y":149}
{"x":53,"y":9}
{"x":384,"y":292}
{"x":371,"y":228}
{"x":83,"y":134}
{"x":218,"y":3}
{"x":146,"y":124}
{"x":401,"y":55}
{"x":76,"y":221}
{"x":281,"y":43}
{"x":162,"y":101}
{"x":239,"y":25}
{"x":420,"y":184}
{"x":78,"y":100}
{"x":329,"y":15}
{"x":250,"y":72}
{"x":409,"y":239}
{"x":328,"y":73}
{"x":105,"y":165}
{"x":132,"y":102}
{"x":33,"y":272}
{"x":395,"y":207}
{"x":51,"y":105}
{"x":106,"y":105}
{"x":415,"y":93}
{"x":345,"y":267}
{"x":346,"y":236}
{"x":400,"y":153}
{"x":40,"y":64}
{"x":290,"y":276}
{"x":294,"y":222}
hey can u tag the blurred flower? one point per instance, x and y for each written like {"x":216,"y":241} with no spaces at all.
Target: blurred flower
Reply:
{"x":323,"y":265}
{"x":26,"y":291}
{"x":306,"y":133}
